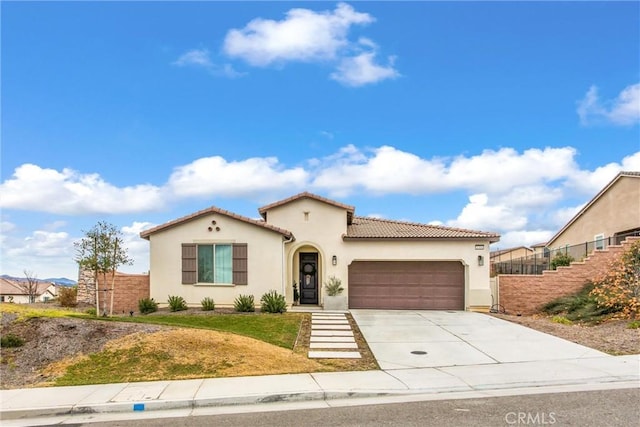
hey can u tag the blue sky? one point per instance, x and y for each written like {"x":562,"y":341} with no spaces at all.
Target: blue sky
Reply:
{"x":497,"y":116}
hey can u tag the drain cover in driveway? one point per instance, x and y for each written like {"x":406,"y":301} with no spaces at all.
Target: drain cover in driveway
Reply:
{"x":418,"y":352}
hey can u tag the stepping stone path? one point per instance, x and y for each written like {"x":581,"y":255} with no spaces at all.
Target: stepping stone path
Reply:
{"x":330,"y":335}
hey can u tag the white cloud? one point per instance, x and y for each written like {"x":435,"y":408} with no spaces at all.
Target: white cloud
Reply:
{"x":202,"y":58}
{"x":389,"y":170}
{"x":590,"y":182}
{"x":361,"y":69}
{"x":195,"y":57}
{"x":479,"y":214}
{"x":137,"y":248}
{"x":251,"y":177}
{"x":308,"y":36}
{"x":304,"y":35}
{"x":69,"y":192}
{"x":624,"y":110}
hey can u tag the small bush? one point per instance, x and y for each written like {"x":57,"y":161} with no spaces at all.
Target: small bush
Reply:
{"x":561,"y":319}
{"x":333,"y":286}
{"x":177,"y":303}
{"x":11,"y":340}
{"x":208,"y":304}
{"x":244,"y":303}
{"x":634,"y":325}
{"x":582,"y":306}
{"x":68,"y":297}
{"x":147,"y":305}
{"x":273,"y":302}
{"x":91,"y":311}
{"x":561,"y":260}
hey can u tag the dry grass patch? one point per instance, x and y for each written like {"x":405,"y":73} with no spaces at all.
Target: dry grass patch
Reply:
{"x":180,"y":354}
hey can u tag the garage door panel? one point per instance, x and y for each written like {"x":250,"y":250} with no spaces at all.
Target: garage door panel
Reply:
{"x":427,"y":285}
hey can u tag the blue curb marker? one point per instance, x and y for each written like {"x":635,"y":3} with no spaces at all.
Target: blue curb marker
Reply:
{"x":138,"y":406}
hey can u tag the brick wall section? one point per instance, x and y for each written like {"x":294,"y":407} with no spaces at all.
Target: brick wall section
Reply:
{"x":527,"y":293}
{"x":129,"y":288}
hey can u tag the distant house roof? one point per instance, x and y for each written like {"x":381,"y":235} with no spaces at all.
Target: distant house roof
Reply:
{"x":13,"y":287}
{"x":629,"y":174}
{"x":373,"y":228}
{"x":506,"y":251}
{"x":214,"y":210}
{"x":306,"y":195}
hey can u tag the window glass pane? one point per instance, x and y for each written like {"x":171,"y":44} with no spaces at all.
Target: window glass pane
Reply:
{"x":224,"y":261}
{"x":205,"y":263}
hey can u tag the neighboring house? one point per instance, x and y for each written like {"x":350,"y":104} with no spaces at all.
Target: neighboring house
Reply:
{"x":510,"y":254}
{"x":14,"y":291}
{"x":611,"y":216}
{"x":305,"y":239}
{"x":539,"y":248}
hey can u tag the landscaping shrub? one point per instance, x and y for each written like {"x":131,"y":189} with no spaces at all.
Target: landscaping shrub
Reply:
{"x":147,"y":305}
{"x":581,"y":306}
{"x":91,"y":311}
{"x":177,"y":303}
{"x":11,"y":340}
{"x":333,"y":286}
{"x":273,"y":302}
{"x":208,"y":304}
{"x":68,"y":297}
{"x":244,"y":303}
{"x":561,"y":260}
{"x":619,"y":290}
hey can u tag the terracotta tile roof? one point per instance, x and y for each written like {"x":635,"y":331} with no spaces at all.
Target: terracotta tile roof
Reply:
{"x":372,"y":228}
{"x":306,"y":195}
{"x":214,"y":210}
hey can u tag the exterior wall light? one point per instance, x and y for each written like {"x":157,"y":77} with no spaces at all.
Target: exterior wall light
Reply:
{"x":334,"y":260}
{"x":480,"y":260}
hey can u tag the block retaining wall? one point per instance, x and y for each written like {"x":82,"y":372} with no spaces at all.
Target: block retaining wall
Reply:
{"x":526,"y":294}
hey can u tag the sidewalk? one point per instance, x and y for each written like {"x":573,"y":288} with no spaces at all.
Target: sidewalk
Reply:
{"x":165,"y":395}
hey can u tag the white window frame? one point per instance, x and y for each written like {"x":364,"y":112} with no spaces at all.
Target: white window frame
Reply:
{"x":599,"y":241}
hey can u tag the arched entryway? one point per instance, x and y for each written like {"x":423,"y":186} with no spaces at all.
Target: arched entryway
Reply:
{"x":307,"y":273}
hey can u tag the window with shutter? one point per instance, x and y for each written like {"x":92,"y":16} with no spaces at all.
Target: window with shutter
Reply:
{"x":189,"y":263}
{"x":240,"y":267}
{"x":214,"y":264}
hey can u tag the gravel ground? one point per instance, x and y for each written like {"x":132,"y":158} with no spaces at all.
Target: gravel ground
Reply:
{"x":613,"y":336}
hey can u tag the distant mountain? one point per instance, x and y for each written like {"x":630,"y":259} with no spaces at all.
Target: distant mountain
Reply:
{"x":61,"y":281}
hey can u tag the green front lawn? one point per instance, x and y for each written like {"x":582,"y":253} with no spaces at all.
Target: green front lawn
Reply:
{"x":278,"y":329}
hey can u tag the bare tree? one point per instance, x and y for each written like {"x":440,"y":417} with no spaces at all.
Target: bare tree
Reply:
{"x":102,"y":251}
{"x":30,"y":285}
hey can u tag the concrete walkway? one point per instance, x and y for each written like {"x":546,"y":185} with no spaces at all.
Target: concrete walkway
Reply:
{"x":332,"y":337}
{"x":476,"y":361}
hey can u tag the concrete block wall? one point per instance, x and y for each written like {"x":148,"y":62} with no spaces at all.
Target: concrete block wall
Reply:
{"x":525,"y":294}
{"x":129,"y":289}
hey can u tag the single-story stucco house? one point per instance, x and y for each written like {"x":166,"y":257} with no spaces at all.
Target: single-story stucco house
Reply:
{"x":306,"y":239}
{"x":17,"y":291}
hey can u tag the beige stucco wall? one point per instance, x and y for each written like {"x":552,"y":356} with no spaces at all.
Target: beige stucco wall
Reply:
{"x":618,"y":209}
{"x":322,"y":231}
{"x":265,"y":258}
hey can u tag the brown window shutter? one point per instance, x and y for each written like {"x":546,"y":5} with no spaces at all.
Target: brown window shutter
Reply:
{"x":240,"y":267}
{"x":189,"y":263}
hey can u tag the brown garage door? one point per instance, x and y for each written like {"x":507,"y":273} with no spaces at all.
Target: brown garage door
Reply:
{"x":420,"y":285}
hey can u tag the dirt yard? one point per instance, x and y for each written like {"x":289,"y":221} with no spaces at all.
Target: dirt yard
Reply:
{"x":613,"y":336}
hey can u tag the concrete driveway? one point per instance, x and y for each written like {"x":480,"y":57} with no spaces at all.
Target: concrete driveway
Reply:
{"x":428,"y":339}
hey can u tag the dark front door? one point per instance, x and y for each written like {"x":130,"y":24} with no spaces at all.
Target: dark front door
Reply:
{"x":308,"y":278}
